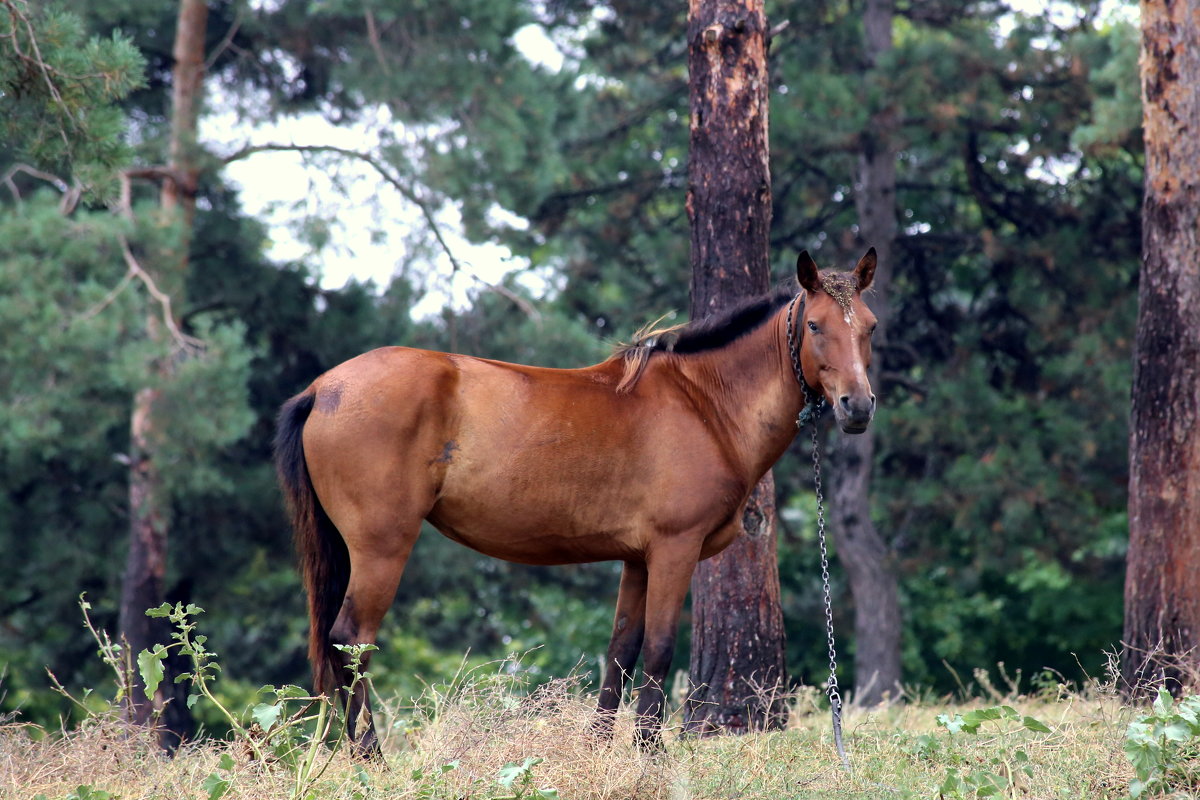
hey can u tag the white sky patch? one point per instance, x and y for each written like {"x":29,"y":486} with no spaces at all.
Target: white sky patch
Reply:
{"x":366,"y":221}
{"x":1064,"y":14}
{"x":538,"y":48}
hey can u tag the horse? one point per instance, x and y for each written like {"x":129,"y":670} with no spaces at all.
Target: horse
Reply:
{"x":647,"y":458}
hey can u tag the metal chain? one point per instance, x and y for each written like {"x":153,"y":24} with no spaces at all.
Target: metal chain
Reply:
{"x":811,"y":411}
{"x":835,"y":697}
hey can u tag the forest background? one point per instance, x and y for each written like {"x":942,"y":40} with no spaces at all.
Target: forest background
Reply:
{"x":1001,"y":451}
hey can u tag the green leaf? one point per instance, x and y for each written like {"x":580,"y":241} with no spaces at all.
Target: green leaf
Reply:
{"x":952,"y":784}
{"x":215,"y":785}
{"x":289,"y":692}
{"x":951,"y":724}
{"x":267,"y":714}
{"x":1034,"y":724}
{"x":1178,"y":731}
{"x":1145,"y":755}
{"x":1163,"y":703}
{"x":226,"y":763}
{"x":150,"y":667}
{"x":162,"y":611}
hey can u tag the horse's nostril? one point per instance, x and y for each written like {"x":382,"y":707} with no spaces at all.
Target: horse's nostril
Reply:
{"x":846,"y":402}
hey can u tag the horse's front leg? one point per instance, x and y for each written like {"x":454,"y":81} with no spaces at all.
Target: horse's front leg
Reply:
{"x":629,"y":625}
{"x":669,"y":575}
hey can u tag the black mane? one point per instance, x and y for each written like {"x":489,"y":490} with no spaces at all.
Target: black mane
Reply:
{"x":719,"y":330}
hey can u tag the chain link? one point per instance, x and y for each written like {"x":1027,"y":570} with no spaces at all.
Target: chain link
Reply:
{"x":811,"y":411}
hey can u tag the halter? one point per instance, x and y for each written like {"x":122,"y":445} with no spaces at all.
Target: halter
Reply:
{"x":813,"y":404}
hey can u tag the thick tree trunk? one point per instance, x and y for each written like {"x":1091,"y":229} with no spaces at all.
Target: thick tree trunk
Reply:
{"x":737,"y":667}
{"x":145,"y":567}
{"x":862,"y":551}
{"x":1162,"y":591}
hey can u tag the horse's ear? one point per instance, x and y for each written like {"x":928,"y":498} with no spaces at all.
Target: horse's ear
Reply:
{"x":865,"y":271}
{"x":807,"y":273}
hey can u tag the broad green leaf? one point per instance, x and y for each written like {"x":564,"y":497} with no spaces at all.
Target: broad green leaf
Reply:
{"x":1178,"y":731}
{"x":215,"y":785}
{"x":1163,"y":703}
{"x":267,"y":714}
{"x":1034,"y":724}
{"x":162,"y":611}
{"x":150,"y":667}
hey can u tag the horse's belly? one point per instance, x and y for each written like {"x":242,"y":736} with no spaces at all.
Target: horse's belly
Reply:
{"x":536,"y":540}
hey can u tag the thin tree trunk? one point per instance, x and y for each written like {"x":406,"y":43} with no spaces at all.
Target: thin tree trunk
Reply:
{"x":145,"y":568}
{"x":737,"y":662}
{"x":1162,"y":591}
{"x":860,"y":548}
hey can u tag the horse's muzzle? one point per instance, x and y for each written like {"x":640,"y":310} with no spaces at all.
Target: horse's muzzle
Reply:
{"x":854,"y":412}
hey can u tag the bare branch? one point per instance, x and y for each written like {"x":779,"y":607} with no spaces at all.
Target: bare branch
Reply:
{"x":112,"y":295}
{"x":34,"y":172}
{"x":164,"y":300}
{"x":225,"y":42}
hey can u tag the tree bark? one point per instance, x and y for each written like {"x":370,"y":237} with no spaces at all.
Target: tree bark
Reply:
{"x":145,"y":568}
{"x":863,"y":552}
{"x":1162,"y":593}
{"x":737,"y":662}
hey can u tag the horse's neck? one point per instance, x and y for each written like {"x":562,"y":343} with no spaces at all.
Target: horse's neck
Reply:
{"x":753,"y":391}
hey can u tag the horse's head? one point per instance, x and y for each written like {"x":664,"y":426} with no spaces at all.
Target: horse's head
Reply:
{"x":835,"y":339}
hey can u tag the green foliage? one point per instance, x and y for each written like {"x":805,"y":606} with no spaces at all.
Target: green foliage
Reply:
{"x":1005,"y":771}
{"x":518,"y":779}
{"x":59,"y":91}
{"x":431,"y":782}
{"x":1164,"y":746}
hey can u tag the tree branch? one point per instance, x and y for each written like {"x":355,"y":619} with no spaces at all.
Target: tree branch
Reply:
{"x":185,"y":341}
{"x":225,"y":42}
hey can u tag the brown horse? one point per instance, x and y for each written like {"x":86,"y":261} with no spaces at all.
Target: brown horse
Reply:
{"x":647,"y":458}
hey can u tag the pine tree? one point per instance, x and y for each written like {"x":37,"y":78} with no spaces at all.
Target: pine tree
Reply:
{"x":1162,"y":596}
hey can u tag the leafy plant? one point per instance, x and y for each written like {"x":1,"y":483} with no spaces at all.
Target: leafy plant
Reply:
{"x":83,"y":792}
{"x":518,"y":779}
{"x":294,"y":739}
{"x":217,"y":783}
{"x":429,"y":782}
{"x":1164,"y":746}
{"x":1002,"y":773}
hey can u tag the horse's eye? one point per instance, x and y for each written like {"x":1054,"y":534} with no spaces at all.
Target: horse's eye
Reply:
{"x":812,"y":326}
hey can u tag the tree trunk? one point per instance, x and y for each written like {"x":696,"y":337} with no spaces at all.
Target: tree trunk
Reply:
{"x":737,"y":666}
{"x":145,"y":568}
{"x":1162,"y":592}
{"x":862,"y":551}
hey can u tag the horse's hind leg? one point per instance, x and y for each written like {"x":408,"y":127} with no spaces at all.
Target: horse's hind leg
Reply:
{"x":374,"y":575}
{"x":629,"y":625}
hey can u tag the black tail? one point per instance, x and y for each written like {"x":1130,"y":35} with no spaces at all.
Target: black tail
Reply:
{"x":324,"y":562}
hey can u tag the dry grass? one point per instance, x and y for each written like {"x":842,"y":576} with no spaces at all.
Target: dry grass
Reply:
{"x":484,"y":721}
